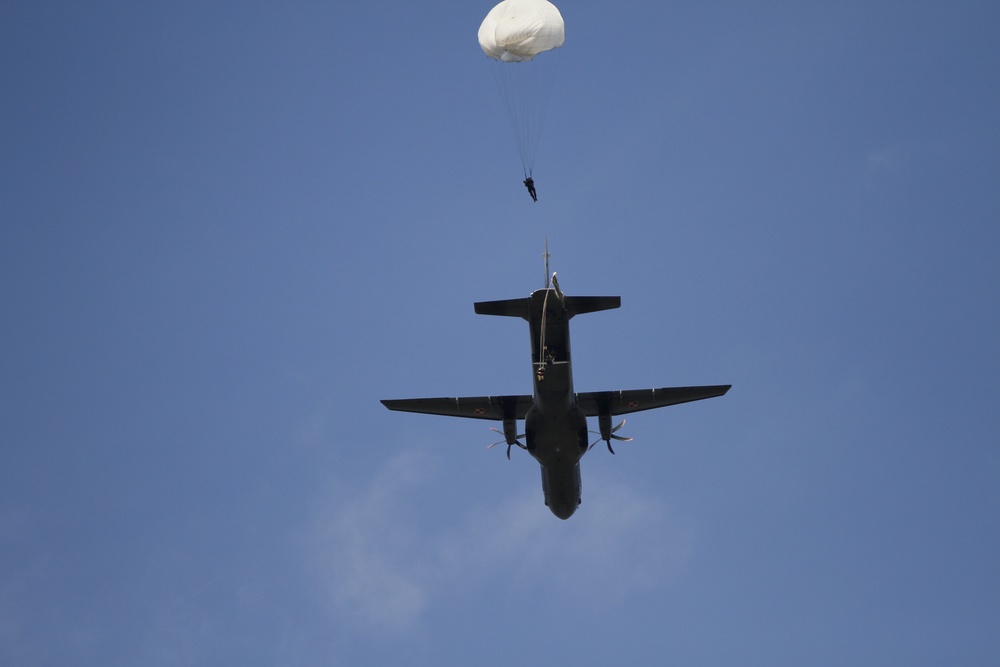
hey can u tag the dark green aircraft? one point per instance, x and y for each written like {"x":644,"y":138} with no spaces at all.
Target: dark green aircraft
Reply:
{"x":555,"y":418}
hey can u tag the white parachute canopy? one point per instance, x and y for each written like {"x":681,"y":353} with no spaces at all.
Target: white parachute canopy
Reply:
{"x":518,"y":30}
{"x":512,"y":34}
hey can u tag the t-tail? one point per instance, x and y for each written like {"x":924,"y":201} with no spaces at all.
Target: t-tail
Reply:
{"x":552,"y":297}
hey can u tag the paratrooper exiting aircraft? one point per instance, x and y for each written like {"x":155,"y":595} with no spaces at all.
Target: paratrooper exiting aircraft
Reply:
{"x":555,"y":418}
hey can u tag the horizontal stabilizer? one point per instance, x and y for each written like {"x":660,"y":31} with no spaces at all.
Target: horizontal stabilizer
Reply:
{"x":578,"y":305}
{"x":575,"y":305}
{"x":474,"y":407}
{"x":506,"y":308}
{"x":633,"y":400}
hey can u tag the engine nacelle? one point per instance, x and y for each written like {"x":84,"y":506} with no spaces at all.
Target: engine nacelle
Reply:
{"x":510,"y":430}
{"x":604,"y":420}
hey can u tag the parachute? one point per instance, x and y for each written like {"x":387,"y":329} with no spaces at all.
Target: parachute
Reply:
{"x":513,"y":34}
{"x":518,"y":30}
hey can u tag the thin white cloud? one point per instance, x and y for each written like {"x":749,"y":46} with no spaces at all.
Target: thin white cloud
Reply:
{"x":383,"y":567}
{"x":366,"y":554}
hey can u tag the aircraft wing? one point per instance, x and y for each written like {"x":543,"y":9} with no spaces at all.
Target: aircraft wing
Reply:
{"x":634,"y":400}
{"x":474,"y":407}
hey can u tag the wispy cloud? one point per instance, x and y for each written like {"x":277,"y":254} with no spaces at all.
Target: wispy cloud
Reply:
{"x":384,"y":567}
{"x":365,"y":554}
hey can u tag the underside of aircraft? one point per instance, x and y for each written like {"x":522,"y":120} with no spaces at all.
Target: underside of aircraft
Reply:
{"x":555,"y":417}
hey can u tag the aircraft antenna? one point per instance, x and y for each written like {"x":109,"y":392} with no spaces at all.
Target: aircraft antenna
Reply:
{"x":545,"y":256}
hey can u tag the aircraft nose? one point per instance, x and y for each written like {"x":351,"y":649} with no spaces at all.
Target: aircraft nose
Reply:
{"x":563,"y":511}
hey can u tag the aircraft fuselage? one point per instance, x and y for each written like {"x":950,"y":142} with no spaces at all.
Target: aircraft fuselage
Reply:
{"x":555,"y":427}
{"x":555,"y":416}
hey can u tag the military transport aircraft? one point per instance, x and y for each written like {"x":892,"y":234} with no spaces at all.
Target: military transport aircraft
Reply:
{"x":555,"y":418}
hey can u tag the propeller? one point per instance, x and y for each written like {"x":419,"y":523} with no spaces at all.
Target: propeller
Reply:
{"x":509,"y":444}
{"x":611,"y":435}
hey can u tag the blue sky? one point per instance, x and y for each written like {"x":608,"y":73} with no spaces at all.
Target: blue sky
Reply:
{"x":227,"y":230}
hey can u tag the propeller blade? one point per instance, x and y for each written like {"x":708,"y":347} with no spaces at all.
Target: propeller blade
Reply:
{"x":609,"y":442}
{"x":613,"y":436}
{"x":509,"y":444}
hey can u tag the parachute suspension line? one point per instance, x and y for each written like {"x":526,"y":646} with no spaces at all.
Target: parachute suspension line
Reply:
{"x":543,"y":84}
{"x":526,"y":89}
{"x":505,"y":85}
